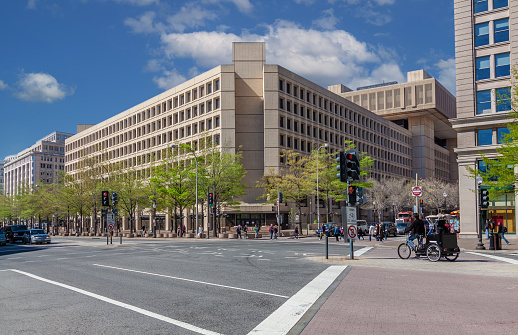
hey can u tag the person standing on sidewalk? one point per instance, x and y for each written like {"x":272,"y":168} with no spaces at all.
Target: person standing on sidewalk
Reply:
{"x":275,"y":231}
{"x":336,"y":232}
{"x":270,"y":230}
{"x":372,"y":231}
{"x":502,"y":230}
{"x":245,"y":230}
{"x":256,"y":230}
{"x":238,"y":231}
{"x":296,"y":232}
{"x":200,"y":231}
{"x":486,"y":227}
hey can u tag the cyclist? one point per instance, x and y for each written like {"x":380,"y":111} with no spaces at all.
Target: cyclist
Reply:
{"x":418,"y":229}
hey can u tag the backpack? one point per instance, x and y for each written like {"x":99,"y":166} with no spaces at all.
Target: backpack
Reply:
{"x":504,"y":229}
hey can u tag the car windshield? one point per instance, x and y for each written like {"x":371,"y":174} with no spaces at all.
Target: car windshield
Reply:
{"x":21,"y":227}
{"x":37,"y":231}
{"x":402,"y":225}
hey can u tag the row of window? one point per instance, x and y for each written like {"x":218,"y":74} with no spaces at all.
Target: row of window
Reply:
{"x":499,"y":34}
{"x":173,"y":135}
{"x":326,"y":120}
{"x":485,"y":136}
{"x":138,"y":161}
{"x":485,"y":5}
{"x":502,"y":100}
{"x":150,"y":112}
{"x":501,"y":68}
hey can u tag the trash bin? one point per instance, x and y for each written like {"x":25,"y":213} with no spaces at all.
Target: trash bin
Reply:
{"x":498,"y":241}
{"x":491,"y":241}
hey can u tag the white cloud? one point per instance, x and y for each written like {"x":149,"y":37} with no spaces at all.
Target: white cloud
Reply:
{"x":41,"y":87}
{"x":169,"y":79}
{"x":325,"y":57}
{"x":31,"y":4}
{"x":327,"y":21}
{"x":447,"y":74}
{"x":190,"y":16}
{"x":305,"y":2}
{"x":373,"y":16}
{"x":243,"y":6}
{"x":143,"y":25}
{"x":138,"y":2}
{"x":3,"y":86}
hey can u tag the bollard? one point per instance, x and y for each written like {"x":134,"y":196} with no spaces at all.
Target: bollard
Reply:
{"x":120,"y":238}
{"x":327,"y":247}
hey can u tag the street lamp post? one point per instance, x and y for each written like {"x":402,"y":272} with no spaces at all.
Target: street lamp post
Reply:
{"x":480,"y":245}
{"x":196,"y":192}
{"x":444,"y":195}
{"x":325,"y":145}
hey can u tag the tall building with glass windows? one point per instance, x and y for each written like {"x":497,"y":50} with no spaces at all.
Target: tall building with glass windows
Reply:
{"x":486,"y":47}
{"x":40,"y":163}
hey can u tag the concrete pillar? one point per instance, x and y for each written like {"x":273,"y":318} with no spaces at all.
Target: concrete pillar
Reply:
{"x":423,"y":145}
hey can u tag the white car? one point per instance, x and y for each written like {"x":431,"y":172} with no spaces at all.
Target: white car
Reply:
{"x":36,"y":236}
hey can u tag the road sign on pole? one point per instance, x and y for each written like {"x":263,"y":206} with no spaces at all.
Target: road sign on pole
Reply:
{"x":351,"y":215}
{"x":352,"y":232}
{"x":110,"y":226}
{"x":110,"y":219}
{"x":417,"y":191}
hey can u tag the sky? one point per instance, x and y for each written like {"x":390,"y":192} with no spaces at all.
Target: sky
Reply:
{"x":69,"y":62}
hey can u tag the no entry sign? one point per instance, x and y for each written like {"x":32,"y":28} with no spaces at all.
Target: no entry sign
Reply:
{"x":417,"y":191}
{"x":351,"y":232}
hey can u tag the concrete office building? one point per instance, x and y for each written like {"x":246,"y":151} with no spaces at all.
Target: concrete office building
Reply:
{"x":253,"y":107}
{"x":2,"y":176}
{"x":41,"y":163}
{"x":485,"y":47}
{"x":423,"y":106}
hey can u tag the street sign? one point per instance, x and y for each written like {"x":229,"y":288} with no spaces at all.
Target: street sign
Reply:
{"x":110,"y":219}
{"x":110,"y":226}
{"x":417,"y":191}
{"x":351,"y":215}
{"x":352,"y":232}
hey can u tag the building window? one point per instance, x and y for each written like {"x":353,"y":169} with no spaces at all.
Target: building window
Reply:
{"x":281,"y":122}
{"x":501,"y":30}
{"x":288,"y":88}
{"x":480,"y":6}
{"x":503,"y":99}
{"x":484,"y":137}
{"x":281,"y":85}
{"x":502,"y":133}
{"x":482,"y":34}
{"x":500,"y":3}
{"x":216,"y":85}
{"x":281,"y":103}
{"x":281,"y":140}
{"x":217,"y":121}
{"x":482,"y":68}
{"x":502,"y":65}
{"x":484,"y":102}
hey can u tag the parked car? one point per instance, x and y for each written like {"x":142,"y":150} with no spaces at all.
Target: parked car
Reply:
{"x":400,"y":226}
{"x":15,"y":232}
{"x":3,"y":240}
{"x":36,"y":236}
{"x":390,"y":228}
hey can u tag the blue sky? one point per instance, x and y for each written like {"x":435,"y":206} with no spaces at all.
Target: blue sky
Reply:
{"x":69,"y":62}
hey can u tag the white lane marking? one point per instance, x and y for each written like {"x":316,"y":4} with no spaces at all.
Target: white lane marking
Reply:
{"x":285,"y":317}
{"x":122,"y":304}
{"x":61,"y":258}
{"x":498,"y":258}
{"x":362,"y":251}
{"x":192,"y":281}
{"x":14,"y":258}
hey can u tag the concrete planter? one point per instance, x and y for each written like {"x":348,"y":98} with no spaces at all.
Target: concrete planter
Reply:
{"x":223,"y":235}
{"x":190,"y":235}
{"x":232,"y":235}
{"x":171,"y":235}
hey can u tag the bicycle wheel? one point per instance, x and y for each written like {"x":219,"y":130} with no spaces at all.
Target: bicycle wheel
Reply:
{"x":453,"y":257}
{"x":433,"y":252}
{"x":404,"y":251}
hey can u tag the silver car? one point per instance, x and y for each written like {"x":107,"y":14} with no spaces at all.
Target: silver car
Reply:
{"x":401,"y":227}
{"x":36,"y":236}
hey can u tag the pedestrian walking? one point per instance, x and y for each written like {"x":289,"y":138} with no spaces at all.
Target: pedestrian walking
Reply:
{"x":275,"y":231}
{"x":361,"y":234}
{"x":238,"y":231}
{"x":486,"y":227}
{"x":256,"y":230}
{"x":336,"y":232}
{"x":372,"y":231}
{"x":245,"y":230}
{"x":200,"y":231}
{"x":502,"y":230}
{"x":296,"y":232}
{"x":322,"y":231}
{"x":184,"y":230}
{"x":270,"y":230}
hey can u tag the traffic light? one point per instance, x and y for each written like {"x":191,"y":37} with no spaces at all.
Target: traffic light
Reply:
{"x":352,"y":165}
{"x":341,"y":167}
{"x":360,"y":197}
{"x":115,"y":211}
{"x":484,"y":198}
{"x":421,"y":203}
{"x":211,"y":199}
{"x":351,"y":195}
{"x":115,"y":199}
{"x":280,"y":197}
{"x":105,"y":198}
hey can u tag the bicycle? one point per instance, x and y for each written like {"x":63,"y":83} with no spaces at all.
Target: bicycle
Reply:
{"x":404,"y":250}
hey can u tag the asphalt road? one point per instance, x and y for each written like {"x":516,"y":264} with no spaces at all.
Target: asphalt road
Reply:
{"x":83,"y":286}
